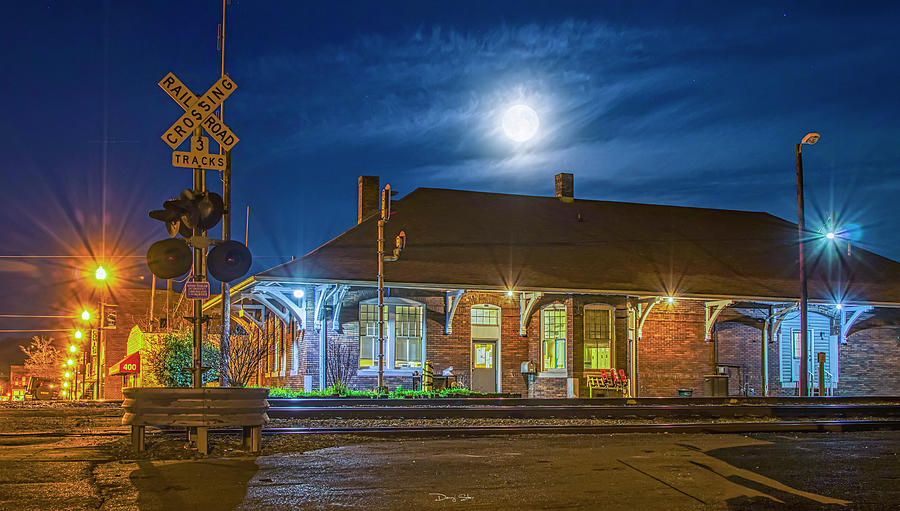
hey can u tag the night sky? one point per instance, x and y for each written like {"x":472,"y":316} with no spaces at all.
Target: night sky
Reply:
{"x":694,"y":104}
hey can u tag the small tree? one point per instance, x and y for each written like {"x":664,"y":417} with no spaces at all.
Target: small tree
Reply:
{"x":245,"y":354}
{"x":342,"y":365}
{"x":42,"y":359}
{"x":170,"y":362}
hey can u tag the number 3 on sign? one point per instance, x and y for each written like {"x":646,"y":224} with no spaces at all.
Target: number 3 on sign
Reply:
{"x":199,"y":144}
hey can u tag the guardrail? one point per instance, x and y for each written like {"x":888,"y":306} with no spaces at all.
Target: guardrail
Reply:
{"x":198,"y":410}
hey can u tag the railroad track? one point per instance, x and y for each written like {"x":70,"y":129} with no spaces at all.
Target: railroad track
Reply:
{"x":279,"y":411}
{"x":521,"y":429}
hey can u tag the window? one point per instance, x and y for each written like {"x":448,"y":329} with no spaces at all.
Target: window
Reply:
{"x":598,"y":335}
{"x":403,"y":335}
{"x":483,"y":316}
{"x":408,"y":336}
{"x":553,"y":337}
{"x":795,"y":342}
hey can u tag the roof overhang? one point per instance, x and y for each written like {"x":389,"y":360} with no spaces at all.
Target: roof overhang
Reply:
{"x":247,"y":284}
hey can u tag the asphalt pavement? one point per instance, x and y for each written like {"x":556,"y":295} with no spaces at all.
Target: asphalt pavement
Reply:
{"x":598,"y":472}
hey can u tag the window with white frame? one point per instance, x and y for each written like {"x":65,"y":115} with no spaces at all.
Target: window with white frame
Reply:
{"x":403,"y":335}
{"x":553,"y":338}
{"x":598,"y":336}
{"x":484,"y":316}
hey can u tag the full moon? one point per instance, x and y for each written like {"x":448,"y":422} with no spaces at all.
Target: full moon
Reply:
{"x":520,"y":123}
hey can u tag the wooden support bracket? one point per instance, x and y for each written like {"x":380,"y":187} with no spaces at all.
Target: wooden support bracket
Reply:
{"x":527,"y":301}
{"x":451,"y":300}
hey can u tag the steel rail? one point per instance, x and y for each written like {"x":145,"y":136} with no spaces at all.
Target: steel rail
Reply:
{"x":584,"y":411}
{"x":729,"y":428}
{"x":427,"y":431}
{"x":545,"y":402}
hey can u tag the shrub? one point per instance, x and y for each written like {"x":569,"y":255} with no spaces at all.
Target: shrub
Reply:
{"x":172,"y":358}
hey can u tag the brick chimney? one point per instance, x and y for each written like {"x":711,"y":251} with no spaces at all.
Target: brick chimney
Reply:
{"x":565,"y":187}
{"x":367,"y":204}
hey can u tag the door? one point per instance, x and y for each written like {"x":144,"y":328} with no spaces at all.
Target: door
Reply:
{"x":484,"y":366}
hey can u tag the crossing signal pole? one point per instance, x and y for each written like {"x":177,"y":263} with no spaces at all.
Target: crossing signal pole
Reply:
{"x":198,"y":210}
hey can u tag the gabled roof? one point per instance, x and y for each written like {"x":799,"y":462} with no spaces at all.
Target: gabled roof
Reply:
{"x":476,"y":240}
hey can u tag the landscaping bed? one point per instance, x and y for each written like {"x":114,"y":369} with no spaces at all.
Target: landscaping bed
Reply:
{"x":398,"y":393}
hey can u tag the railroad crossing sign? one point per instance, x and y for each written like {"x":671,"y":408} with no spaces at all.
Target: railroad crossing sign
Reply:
{"x":199,"y":156}
{"x":198,"y":111}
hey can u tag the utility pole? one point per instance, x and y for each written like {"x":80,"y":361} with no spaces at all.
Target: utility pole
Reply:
{"x":225,"y":343}
{"x":383,"y":217}
{"x":810,"y":139}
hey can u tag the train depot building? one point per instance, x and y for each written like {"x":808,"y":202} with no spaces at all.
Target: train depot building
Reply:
{"x":672,"y":299}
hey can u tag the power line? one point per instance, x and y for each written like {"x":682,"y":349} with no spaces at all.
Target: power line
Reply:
{"x":41,"y":330}
{"x":34,"y":316}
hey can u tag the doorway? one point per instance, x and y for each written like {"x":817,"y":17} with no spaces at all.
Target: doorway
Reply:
{"x":485,"y":348}
{"x":484,"y":366}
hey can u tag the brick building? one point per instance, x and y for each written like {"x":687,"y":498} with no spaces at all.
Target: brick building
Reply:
{"x":673,"y":297}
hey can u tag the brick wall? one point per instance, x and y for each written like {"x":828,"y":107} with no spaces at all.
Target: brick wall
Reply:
{"x":870,"y":363}
{"x":672,"y":353}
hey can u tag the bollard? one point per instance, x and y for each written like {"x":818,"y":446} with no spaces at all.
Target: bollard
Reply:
{"x":821,"y":360}
{"x":428,"y":377}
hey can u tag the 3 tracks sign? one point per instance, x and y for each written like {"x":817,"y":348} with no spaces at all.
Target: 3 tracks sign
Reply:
{"x":199,"y":111}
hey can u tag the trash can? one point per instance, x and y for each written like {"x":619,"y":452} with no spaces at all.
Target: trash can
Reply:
{"x":685,"y":392}
{"x":715,"y":385}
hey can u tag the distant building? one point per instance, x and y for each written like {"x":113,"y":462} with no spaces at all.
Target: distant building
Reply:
{"x":671,"y":297}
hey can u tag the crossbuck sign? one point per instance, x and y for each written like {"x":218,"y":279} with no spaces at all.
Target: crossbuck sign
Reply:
{"x":198,"y":112}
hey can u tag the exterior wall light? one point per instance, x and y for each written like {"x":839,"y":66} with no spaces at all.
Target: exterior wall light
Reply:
{"x":298,"y":293}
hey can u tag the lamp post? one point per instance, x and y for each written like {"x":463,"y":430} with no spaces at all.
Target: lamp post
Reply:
{"x":809,"y":139}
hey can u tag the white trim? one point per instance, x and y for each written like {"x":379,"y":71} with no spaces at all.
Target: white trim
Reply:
{"x":553,"y":373}
{"x":389,"y":334}
{"x":612,"y":332}
{"x":554,"y":306}
{"x":498,"y":363}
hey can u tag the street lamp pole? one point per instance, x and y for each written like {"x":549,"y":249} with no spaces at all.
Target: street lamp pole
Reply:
{"x":810,"y":139}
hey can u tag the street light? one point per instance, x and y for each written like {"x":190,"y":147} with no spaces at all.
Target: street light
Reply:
{"x":78,"y":334}
{"x":70,"y":362}
{"x":73,"y":348}
{"x":85,"y":315}
{"x":808,"y":139}
{"x":100,"y":274}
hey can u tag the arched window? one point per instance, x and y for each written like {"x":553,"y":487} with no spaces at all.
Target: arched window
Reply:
{"x":599,"y":336}
{"x":553,"y":338}
{"x":404,"y":334}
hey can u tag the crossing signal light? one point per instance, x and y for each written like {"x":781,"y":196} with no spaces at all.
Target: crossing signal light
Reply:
{"x":228,"y":260}
{"x":169,"y":258}
{"x":190,"y":210}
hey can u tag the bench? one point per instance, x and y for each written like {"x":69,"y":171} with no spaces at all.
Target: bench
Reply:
{"x":198,"y":410}
{"x":606,"y":380}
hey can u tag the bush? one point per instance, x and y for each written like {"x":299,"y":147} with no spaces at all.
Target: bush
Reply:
{"x":173,"y":358}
